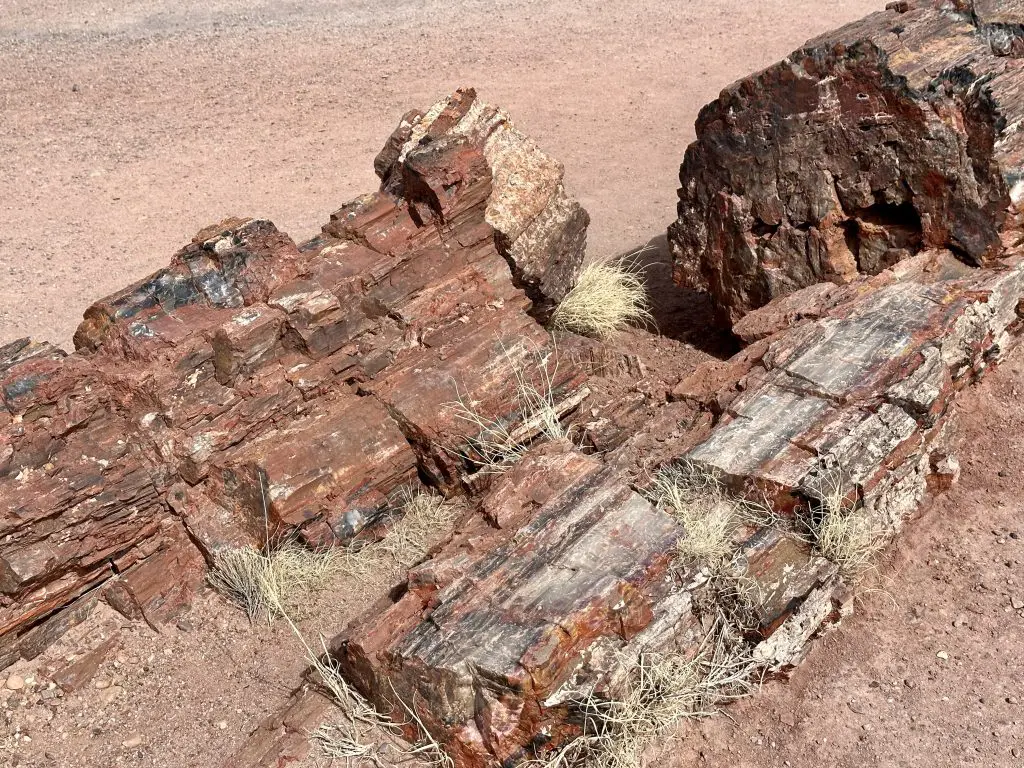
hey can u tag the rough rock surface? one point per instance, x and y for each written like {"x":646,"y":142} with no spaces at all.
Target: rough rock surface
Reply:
{"x":855,"y":399}
{"x":538,"y":228}
{"x":565,"y":571}
{"x":258,"y":388}
{"x":578,"y":556}
{"x":894,"y":134}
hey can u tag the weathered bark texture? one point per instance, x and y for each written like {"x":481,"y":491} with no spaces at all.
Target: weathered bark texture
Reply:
{"x":257,"y":386}
{"x":897,"y":133}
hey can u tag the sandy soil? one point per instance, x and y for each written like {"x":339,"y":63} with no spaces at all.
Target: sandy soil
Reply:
{"x":126,"y":126}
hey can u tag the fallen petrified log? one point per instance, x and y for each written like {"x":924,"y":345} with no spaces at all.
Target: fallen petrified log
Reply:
{"x":567,"y":575}
{"x":257,"y":388}
{"x":855,"y":401}
{"x":895,"y":134}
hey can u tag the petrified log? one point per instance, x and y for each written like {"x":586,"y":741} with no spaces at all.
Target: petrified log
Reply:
{"x":566,"y":574}
{"x":257,"y":387}
{"x":578,"y":557}
{"x":855,"y":402}
{"x":897,"y":133}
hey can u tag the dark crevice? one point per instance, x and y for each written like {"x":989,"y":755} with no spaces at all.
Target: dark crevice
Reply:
{"x":851,"y":233}
{"x":961,"y":254}
{"x":681,"y":314}
{"x":882,"y":234}
{"x":761,"y":229}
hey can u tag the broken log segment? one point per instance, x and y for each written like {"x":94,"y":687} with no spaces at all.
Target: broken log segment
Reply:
{"x":254,"y":388}
{"x":498,"y":620}
{"x":898,"y":133}
{"x":567,"y":576}
{"x":854,"y":402}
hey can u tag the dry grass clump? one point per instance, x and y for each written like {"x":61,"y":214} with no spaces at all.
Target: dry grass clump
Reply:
{"x":662,"y":690}
{"x":498,"y":444}
{"x":271,"y":584}
{"x":842,"y":533}
{"x":608,"y":297}
{"x":423,"y":517}
{"x":357,"y":736}
{"x":708,"y":513}
{"x":278,"y":584}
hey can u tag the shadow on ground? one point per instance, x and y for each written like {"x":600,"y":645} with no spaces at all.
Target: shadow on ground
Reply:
{"x":679,"y":313}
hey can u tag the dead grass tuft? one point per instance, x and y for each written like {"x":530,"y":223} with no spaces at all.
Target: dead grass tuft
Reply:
{"x":708,"y":513}
{"x":498,"y":444}
{"x":423,"y":516}
{"x":272,"y":584}
{"x":607,"y":298}
{"x":842,"y":533}
{"x":849,"y":540}
{"x":662,"y":689}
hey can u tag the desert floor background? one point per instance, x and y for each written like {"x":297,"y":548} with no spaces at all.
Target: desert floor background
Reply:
{"x":126,"y":126}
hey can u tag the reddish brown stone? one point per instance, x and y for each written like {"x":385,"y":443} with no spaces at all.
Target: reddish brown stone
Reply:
{"x":216,"y":400}
{"x":867,"y":145}
{"x":503,"y":625}
{"x":157,"y":582}
{"x":327,"y":473}
{"x":77,"y":675}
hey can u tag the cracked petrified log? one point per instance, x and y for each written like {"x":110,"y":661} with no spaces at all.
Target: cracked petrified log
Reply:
{"x":255,"y":386}
{"x":856,"y":401}
{"x":897,"y":133}
{"x":566,"y":574}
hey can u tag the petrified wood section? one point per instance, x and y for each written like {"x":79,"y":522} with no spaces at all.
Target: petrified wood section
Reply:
{"x":897,"y":133}
{"x":565,"y":575}
{"x":497,"y":621}
{"x":854,"y":402}
{"x":538,"y":228}
{"x":284,"y":737}
{"x":566,"y":572}
{"x":255,"y":386}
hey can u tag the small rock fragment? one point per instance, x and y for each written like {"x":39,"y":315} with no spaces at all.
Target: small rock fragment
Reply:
{"x":111,"y":694}
{"x":15,"y":682}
